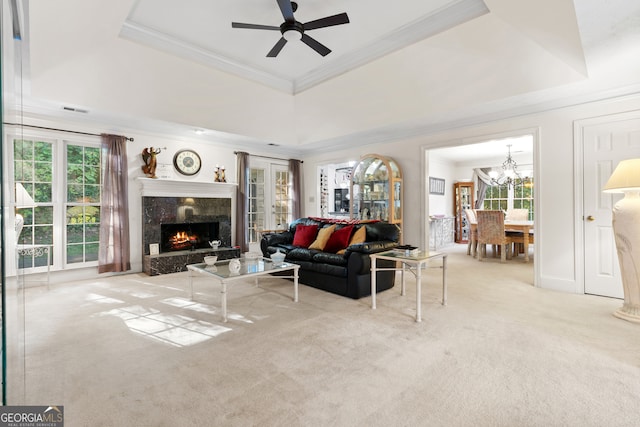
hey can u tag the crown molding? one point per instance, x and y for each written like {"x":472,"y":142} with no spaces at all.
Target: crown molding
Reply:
{"x":160,"y":41}
{"x":420,"y":29}
{"x":503,"y":109}
{"x":413,"y":32}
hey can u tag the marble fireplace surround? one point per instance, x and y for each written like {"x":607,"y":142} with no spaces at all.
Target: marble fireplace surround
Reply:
{"x":171,"y":201}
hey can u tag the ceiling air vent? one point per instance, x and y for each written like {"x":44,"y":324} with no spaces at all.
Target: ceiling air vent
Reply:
{"x":75,"y":110}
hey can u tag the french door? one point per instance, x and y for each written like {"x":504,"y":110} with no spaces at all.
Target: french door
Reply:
{"x":269,"y":199}
{"x":605,"y":143}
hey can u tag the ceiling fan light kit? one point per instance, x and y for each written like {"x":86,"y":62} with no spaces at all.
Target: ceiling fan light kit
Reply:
{"x":293,"y":30}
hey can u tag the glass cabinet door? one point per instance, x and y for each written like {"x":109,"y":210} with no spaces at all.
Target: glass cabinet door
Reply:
{"x":376,"y":190}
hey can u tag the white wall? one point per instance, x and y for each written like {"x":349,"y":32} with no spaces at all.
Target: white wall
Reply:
{"x":556,"y":213}
{"x":210,"y":152}
{"x":444,"y":169}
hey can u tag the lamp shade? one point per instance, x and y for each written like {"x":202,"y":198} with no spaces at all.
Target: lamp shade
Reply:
{"x":626,"y":177}
{"x":23,"y":199}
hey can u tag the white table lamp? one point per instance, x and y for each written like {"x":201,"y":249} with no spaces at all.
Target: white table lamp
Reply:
{"x":626,"y":227}
{"x":23,"y":200}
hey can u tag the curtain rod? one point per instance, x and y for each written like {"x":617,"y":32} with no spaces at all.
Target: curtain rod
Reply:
{"x":266,"y":157}
{"x":60,"y":130}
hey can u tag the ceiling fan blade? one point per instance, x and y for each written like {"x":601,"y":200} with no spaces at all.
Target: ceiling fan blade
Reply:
{"x":287,"y":10}
{"x":275,"y":50}
{"x":254,"y":26}
{"x":315,"y":45}
{"x":329,"y":21}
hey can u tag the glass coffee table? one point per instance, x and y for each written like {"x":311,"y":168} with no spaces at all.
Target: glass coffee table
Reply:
{"x":414,"y":264}
{"x":248,"y":268}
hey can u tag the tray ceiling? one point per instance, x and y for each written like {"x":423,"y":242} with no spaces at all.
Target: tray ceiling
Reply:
{"x":396,"y":71}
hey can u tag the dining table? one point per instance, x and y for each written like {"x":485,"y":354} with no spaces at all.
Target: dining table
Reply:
{"x":524,"y":227}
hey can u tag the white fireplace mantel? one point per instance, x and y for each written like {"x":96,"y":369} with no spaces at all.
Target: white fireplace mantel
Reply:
{"x":173,"y":188}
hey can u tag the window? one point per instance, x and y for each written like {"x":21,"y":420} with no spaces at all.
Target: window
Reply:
{"x":83,"y":203}
{"x":496,"y":198}
{"x":256,"y":204}
{"x":269,"y":199}
{"x":66,"y":200}
{"x":33,"y":168}
{"x":517,"y":196}
{"x":282,"y":197}
{"x":523,"y":196}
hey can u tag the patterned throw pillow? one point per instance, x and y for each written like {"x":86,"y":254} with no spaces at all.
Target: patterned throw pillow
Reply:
{"x":323,"y":237}
{"x":339,"y":239}
{"x":305,"y":235}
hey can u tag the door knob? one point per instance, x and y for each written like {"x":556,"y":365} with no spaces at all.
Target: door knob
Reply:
{"x":590,"y":218}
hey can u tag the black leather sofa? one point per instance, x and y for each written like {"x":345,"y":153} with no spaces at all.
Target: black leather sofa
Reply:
{"x":347,"y":274}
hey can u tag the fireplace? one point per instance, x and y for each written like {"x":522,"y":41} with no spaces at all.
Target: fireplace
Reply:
{"x":190,"y":235}
{"x":199,"y":219}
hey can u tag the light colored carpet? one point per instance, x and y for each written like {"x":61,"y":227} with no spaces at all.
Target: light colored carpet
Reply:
{"x":135,"y":351}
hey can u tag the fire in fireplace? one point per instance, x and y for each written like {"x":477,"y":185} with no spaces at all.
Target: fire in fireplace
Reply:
{"x":194,"y":235}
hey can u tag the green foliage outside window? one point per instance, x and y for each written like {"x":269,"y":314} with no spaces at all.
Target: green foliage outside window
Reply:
{"x":34,"y":169}
{"x":518,"y":196}
{"x":83,"y":198}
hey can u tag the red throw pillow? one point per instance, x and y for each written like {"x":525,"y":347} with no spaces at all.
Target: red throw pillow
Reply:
{"x":305,"y":235}
{"x":339,"y":239}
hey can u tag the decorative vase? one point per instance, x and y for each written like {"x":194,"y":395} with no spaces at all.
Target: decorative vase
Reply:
{"x":277,"y":257}
{"x":626,"y":227}
{"x":234,"y":265}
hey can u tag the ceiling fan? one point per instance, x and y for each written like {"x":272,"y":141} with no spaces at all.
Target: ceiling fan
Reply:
{"x":294,"y":30}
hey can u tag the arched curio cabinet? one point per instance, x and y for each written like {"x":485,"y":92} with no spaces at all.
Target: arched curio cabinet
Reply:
{"x":376,"y":190}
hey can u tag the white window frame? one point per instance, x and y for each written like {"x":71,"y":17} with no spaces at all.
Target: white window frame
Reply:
{"x":58,"y":193}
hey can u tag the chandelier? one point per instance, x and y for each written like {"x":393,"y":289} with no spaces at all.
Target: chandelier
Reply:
{"x":509,"y":173}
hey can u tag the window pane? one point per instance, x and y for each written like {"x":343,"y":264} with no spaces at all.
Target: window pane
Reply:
{"x":74,"y":174}
{"x":75,"y":233}
{"x":43,"y":235}
{"x":74,"y":193}
{"x":43,"y":172}
{"x":91,"y":175}
{"x":92,"y":193}
{"x":83,"y":193}
{"x":75,"y":253}
{"x":74,"y":154}
{"x":43,"y":215}
{"x":43,"y":151}
{"x":23,"y":150}
{"x":92,"y":233}
{"x":42,"y":193}
{"x":91,"y":252}
{"x":92,"y":156}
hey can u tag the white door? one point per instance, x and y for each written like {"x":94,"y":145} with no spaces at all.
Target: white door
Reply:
{"x":269,"y":199}
{"x":605,"y":144}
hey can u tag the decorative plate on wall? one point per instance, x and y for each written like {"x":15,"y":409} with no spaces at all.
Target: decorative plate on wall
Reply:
{"x":187,"y":162}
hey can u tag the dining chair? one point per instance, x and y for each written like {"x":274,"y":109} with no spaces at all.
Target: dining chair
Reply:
{"x":517,"y":215}
{"x":517,"y":237}
{"x":491,"y":232}
{"x":472,"y":247}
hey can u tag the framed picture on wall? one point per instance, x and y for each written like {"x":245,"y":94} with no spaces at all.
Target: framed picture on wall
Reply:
{"x":436,"y":186}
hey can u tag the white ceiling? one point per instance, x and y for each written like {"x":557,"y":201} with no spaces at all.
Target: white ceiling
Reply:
{"x":520,"y":147}
{"x":395,"y":71}
{"x":200,"y":30}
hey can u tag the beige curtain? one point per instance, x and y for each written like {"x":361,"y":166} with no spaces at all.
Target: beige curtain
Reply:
{"x":242,"y":201}
{"x":114,"y":253}
{"x":295,"y":174}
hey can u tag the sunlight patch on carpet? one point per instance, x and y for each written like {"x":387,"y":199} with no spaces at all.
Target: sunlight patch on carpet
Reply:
{"x":172,"y":329}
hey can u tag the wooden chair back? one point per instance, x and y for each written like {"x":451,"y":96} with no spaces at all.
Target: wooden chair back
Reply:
{"x":491,"y":227}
